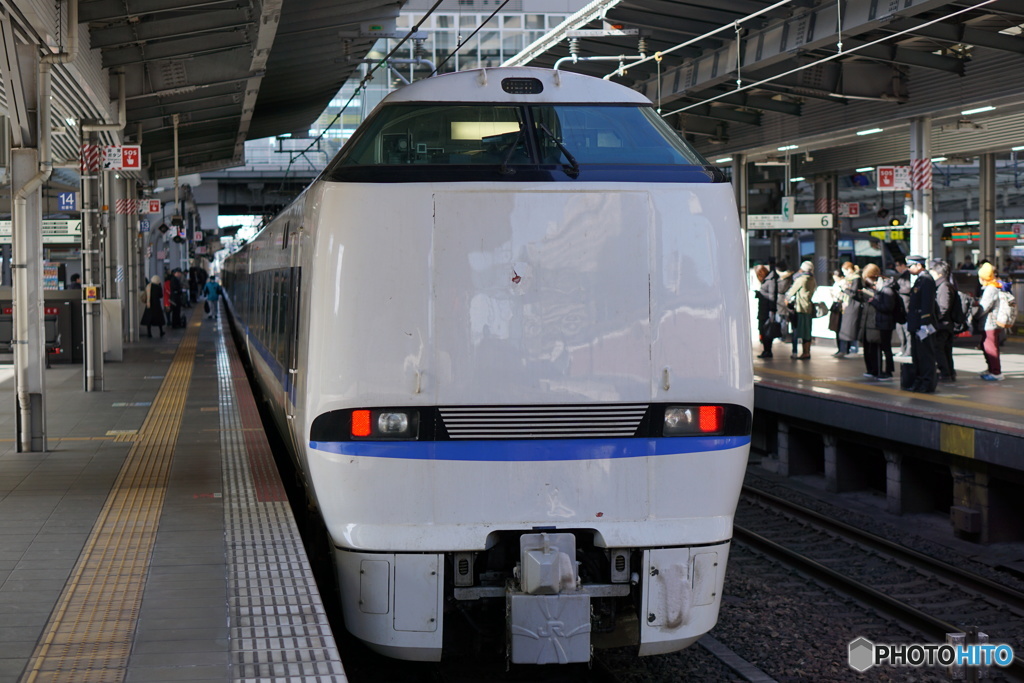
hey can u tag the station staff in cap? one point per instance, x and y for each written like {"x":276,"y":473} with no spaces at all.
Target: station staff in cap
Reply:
{"x":921,"y":325}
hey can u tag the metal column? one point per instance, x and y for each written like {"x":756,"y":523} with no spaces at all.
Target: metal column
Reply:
{"x":132,"y":273}
{"x":92,"y":273}
{"x":27,"y":271}
{"x":825,"y":201}
{"x":987,"y":207}
{"x":921,"y":232}
{"x":740,"y":185}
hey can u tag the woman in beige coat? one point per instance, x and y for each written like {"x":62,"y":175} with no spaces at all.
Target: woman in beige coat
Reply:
{"x":799,"y":298}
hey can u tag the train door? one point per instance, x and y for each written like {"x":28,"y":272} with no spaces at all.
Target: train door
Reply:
{"x":291,"y":302}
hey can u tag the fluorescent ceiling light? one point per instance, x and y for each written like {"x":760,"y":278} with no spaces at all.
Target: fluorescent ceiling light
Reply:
{"x":797,"y":179}
{"x":1017,"y":149}
{"x":938,"y":159}
{"x":869,"y":131}
{"x":865,"y":169}
{"x":978,"y":110}
{"x":723,"y":160}
{"x":787,"y":147}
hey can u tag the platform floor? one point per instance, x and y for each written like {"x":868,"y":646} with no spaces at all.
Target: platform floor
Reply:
{"x":153,"y":541}
{"x":968,"y":396}
{"x":971,"y":417}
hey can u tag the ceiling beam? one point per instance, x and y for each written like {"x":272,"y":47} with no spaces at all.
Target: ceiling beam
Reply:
{"x":745,"y":99}
{"x":901,"y":55}
{"x":959,"y":33}
{"x":726,"y":114}
{"x":812,"y":29}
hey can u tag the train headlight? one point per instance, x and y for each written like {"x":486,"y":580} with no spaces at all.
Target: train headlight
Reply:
{"x":690,"y":420}
{"x":385,"y":424}
{"x":393,"y":423}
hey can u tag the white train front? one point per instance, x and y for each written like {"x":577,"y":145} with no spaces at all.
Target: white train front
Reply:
{"x":506,"y":332}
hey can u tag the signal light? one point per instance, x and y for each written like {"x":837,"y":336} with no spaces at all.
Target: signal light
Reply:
{"x":894,"y":221}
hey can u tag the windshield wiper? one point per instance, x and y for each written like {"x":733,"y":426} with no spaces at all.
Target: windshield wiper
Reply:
{"x":505,"y":169}
{"x":573,"y":169}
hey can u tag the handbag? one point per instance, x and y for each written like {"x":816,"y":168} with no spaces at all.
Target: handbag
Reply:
{"x":772,"y":328}
{"x":206,"y":306}
{"x":820,"y":309}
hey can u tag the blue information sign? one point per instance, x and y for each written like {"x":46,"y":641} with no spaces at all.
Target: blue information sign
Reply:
{"x":144,"y":225}
{"x":67,"y":201}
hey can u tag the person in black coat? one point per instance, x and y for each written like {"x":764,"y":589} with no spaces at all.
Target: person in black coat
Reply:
{"x":176,"y":318}
{"x":154,"y":313}
{"x":902,"y":285}
{"x":767,"y":306}
{"x":921,"y":325}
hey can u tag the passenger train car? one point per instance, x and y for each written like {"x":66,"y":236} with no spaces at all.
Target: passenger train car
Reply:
{"x":506,"y":334}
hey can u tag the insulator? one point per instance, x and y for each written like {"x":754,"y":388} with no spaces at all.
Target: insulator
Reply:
{"x":418,"y":50}
{"x":642,"y":45}
{"x":574,"y":46}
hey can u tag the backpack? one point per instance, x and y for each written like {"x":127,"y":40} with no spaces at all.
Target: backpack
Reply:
{"x":960,"y":313}
{"x":1005,"y":311}
{"x":899,"y":311}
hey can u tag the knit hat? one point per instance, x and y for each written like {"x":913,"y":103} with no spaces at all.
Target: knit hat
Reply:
{"x":807,"y":266}
{"x":987,"y":272}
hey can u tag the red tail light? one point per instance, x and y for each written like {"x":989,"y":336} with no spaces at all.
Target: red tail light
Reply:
{"x":711,"y":418}
{"x":361,"y":423}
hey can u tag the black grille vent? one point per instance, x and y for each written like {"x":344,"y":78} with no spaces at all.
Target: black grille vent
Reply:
{"x":543,"y":422}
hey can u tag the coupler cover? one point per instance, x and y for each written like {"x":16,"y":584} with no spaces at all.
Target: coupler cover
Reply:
{"x":549,"y":619}
{"x":549,"y":629}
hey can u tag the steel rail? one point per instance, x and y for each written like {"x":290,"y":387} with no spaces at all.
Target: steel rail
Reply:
{"x":899,"y":610}
{"x":962,"y":577}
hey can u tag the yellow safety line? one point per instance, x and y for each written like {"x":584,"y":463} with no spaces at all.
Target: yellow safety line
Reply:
{"x":89,"y":635}
{"x":896,"y":391}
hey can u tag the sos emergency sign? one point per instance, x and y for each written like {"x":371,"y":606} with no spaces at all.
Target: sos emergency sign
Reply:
{"x":895,"y":178}
{"x":122,"y":158}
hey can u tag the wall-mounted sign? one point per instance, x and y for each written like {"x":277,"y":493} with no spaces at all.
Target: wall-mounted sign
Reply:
{"x":54,"y":232}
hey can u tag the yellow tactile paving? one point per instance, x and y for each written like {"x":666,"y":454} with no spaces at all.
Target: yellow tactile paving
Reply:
{"x":89,"y":635}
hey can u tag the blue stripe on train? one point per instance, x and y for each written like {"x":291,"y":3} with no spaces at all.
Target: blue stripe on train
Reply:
{"x":531,"y":450}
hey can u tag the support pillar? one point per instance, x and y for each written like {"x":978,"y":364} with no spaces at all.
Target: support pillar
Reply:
{"x":27,"y":274}
{"x":92,"y":275}
{"x":970,"y":511}
{"x":741,"y":187}
{"x":893,"y":482}
{"x":825,"y":201}
{"x":783,"y":445}
{"x":987,"y":207}
{"x":832,"y":465}
{"x":119,"y":248}
{"x":922,"y":237}
{"x":132,"y":274}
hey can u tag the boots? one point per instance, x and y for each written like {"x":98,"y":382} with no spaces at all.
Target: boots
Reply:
{"x":806,"y":355}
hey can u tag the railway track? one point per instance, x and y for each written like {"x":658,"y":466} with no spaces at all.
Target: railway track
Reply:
{"x":924,"y":594}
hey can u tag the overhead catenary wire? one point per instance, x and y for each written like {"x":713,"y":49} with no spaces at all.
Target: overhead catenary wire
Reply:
{"x":463,"y":42}
{"x":359,"y":88}
{"x":830,"y":57}
{"x":726,"y":27}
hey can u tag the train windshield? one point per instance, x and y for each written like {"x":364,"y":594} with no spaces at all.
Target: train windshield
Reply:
{"x":509,"y":136}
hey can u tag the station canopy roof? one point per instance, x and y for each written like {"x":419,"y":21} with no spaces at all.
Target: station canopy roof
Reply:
{"x":229,"y":71}
{"x":796,"y":77}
